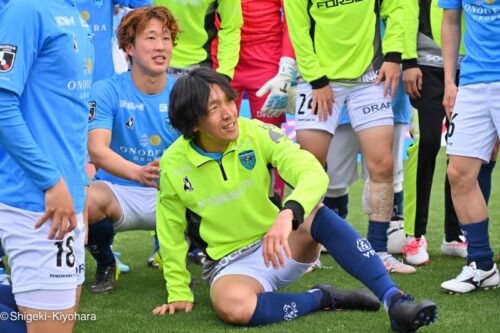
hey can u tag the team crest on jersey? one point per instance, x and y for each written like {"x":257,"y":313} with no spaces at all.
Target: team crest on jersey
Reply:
{"x":7,"y":57}
{"x":130,"y":122}
{"x":247,"y":159}
{"x":92,"y":105}
{"x":187,"y":185}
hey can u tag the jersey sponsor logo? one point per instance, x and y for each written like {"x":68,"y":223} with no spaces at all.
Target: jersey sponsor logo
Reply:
{"x":131,"y":105}
{"x":92,"y":107}
{"x":155,"y":140}
{"x":188,"y":187}
{"x":189,"y":2}
{"x":65,"y":21}
{"x":87,"y":66}
{"x":247,"y":159}
{"x":140,"y":155}
{"x":335,"y":3}
{"x":130,"y":123}
{"x":7,"y":57}
{"x":222,"y":198}
{"x":373,"y":108}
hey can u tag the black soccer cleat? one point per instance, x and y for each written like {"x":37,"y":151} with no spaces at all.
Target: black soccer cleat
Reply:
{"x":361,"y":300}
{"x":104,"y":279}
{"x":407,"y":316}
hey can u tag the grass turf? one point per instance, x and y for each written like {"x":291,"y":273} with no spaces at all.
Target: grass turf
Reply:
{"x":128,"y":308}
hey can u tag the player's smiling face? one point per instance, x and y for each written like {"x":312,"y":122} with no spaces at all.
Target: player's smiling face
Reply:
{"x":152,"y":49}
{"x":220,"y":125}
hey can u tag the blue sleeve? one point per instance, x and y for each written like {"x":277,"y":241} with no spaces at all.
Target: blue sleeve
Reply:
{"x":103,"y":100}
{"x":134,"y":3}
{"x":24,"y":150}
{"x":450,"y":4}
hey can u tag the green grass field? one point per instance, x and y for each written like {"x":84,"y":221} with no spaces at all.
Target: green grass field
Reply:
{"x":128,"y":308}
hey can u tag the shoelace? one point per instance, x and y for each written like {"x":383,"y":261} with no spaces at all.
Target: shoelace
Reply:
{"x":468,"y":272}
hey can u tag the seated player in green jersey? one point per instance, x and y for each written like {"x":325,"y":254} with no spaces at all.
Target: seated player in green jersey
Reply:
{"x":214,"y":186}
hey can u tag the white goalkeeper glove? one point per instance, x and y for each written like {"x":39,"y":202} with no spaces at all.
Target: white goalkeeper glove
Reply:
{"x":278,"y":88}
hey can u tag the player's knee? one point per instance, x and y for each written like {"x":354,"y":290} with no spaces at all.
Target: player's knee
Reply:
{"x":234,"y":309}
{"x":382,"y":170}
{"x":460,"y":177}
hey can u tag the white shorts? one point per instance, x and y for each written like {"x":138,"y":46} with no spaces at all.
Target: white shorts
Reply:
{"x":41,"y":264}
{"x":342,"y":160}
{"x":138,"y":207}
{"x":271,"y":279}
{"x":475,"y":122}
{"x":366,"y":105}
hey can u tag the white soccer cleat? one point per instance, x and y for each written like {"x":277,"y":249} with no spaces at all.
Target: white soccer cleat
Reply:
{"x":471,"y":278}
{"x":454,"y":248}
{"x":415,"y":251}
{"x":396,"y":237}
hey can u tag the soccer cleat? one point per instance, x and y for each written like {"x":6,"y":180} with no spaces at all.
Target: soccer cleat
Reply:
{"x":393,"y":265}
{"x":407,"y":316}
{"x":396,"y":237}
{"x":151,"y":260}
{"x":454,"y":248}
{"x":104,"y":279}
{"x":337,"y":299}
{"x":471,"y":278}
{"x":121,"y":266}
{"x":415,"y":251}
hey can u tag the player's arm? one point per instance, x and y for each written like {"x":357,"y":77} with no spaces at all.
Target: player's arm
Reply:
{"x":450,"y":39}
{"x":231,"y":20}
{"x":105,"y":100}
{"x":392,"y":11}
{"x":170,"y":228}
{"x":412,"y":75}
{"x":304,"y":173}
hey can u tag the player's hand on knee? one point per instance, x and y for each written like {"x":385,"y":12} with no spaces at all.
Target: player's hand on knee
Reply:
{"x":59,"y":208}
{"x":275,"y":241}
{"x":322,"y":101}
{"x":172,"y":307}
{"x":390,"y":73}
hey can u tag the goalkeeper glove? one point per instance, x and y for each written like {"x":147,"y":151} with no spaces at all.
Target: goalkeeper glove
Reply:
{"x":278,"y":88}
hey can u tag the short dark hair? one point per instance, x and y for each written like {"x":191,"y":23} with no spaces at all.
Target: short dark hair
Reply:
{"x":189,"y":98}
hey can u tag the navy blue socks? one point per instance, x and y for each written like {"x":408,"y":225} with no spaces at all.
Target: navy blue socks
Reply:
{"x":478,"y":247}
{"x":99,"y":242}
{"x":8,"y":305}
{"x":351,"y":251}
{"x":339,"y":204}
{"x":484,"y":179}
{"x":273,"y":307}
{"x":377,"y":235}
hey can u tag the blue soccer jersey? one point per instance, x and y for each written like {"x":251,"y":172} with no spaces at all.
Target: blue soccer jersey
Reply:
{"x":99,"y":15}
{"x":46,"y":64}
{"x":481,"y":63}
{"x":139,"y":123}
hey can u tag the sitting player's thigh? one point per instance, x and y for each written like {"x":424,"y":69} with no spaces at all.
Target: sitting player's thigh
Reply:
{"x":269,"y":278}
{"x":472,"y":132}
{"x":42,"y":266}
{"x":138,"y":206}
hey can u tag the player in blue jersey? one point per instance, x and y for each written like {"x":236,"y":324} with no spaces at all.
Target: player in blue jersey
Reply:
{"x":99,"y":15}
{"x":46,"y":66}
{"x":474,"y":128}
{"x":128,"y":131}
